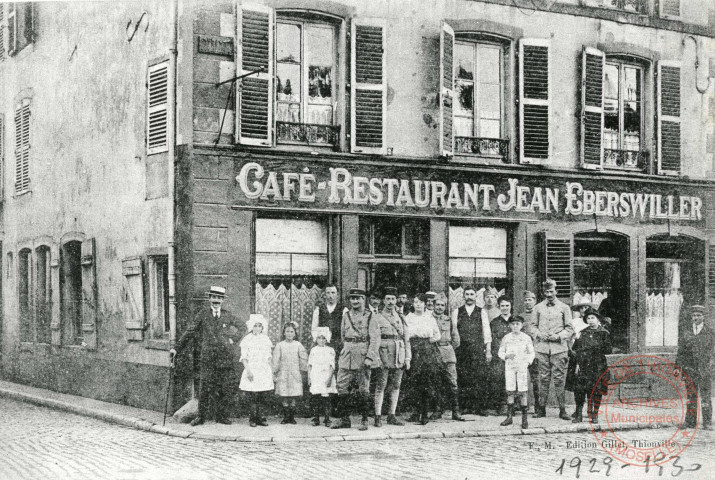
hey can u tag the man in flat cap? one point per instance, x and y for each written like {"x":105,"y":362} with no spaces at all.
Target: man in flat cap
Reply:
{"x":217,"y":334}
{"x":361,"y":341}
{"x":395,"y":356}
{"x":695,"y":358}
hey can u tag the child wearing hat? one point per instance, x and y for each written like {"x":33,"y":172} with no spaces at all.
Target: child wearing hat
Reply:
{"x":289,"y":359}
{"x":257,"y":377}
{"x":517,"y":351}
{"x":321,"y":375}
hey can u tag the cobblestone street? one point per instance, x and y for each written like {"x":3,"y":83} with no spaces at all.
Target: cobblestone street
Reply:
{"x":39,"y":443}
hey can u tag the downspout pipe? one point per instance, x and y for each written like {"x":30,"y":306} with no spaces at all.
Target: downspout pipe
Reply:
{"x":172,"y":180}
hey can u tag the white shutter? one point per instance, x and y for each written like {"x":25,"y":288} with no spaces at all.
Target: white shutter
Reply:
{"x":22,"y":147}
{"x":534,"y":101}
{"x":254,"y":96}
{"x":446,"y":90}
{"x":157,"y":135}
{"x":369,"y":86}
{"x":669,"y":135}
{"x":592,"y":72}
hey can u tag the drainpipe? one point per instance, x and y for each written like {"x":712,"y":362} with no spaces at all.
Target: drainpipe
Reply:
{"x":171,"y":174}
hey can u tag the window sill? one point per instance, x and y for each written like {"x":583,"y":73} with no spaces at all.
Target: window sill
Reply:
{"x":156,"y":344}
{"x":479,"y":159}
{"x":23,"y":193}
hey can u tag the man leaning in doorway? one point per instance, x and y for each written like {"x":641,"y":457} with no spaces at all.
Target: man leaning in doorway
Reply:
{"x":361,"y":342}
{"x":329,"y":314}
{"x":552,"y":332}
{"x":218,"y":333}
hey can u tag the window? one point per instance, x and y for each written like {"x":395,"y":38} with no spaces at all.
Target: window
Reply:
{"x":43,"y":294}
{"x":479,"y":99}
{"x":22,"y":147}
{"x":159,"y":296}
{"x":623,"y":115}
{"x":305,"y":82}
{"x":638,"y":6}
{"x":392,"y":237}
{"x":670,"y":8}
{"x":71,"y":291}
{"x":20,"y":26}
{"x":157,"y":136}
{"x":2,"y":32}
{"x":24,"y":287}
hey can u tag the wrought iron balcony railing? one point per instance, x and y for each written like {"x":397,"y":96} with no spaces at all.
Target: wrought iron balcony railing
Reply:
{"x":482,"y":146}
{"x":638,"y":6}
{"x":307,"y":133}
{"x":633,"y":159}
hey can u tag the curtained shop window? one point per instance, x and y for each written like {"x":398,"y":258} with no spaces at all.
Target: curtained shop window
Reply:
{"x":477,"y":256}
{"x":291,"y":272}
{"x":674,"y":279}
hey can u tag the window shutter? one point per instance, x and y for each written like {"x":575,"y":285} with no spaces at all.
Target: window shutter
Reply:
{"x":22,"y":147}
{"x":133,"y":273}
{"x":446,"y":90}
{"x":2,"y":153}
{"x":255,"y":92}
{"x":669,"y":8}
{"x":669,"y":137}
{"x":89,"y":294}
{"x":2,"y":32}
{"x":369,"y":92}
{"x":557,"y":254}
{"x":11,"y":28}
{"x":592,"y":71}
{"x":533,"y":101}
{"x":711,"y":274}
{"x":157,"y":135}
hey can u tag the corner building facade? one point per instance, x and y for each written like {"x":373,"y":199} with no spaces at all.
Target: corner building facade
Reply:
{"x":424,"y":145}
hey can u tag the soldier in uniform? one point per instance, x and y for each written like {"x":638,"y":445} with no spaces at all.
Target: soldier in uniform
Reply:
{"x":447,"y":343}
{"x":395,"y":356}
{"x":474,"y":353}
{"x":218,"y":334}
{"x":695,"y":358}
{"x":361,"y":341}
{"x":527,"y":320}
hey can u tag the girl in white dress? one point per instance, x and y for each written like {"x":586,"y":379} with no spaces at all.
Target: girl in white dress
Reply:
{"x":257,"y":377}
{"x":321,"y":378}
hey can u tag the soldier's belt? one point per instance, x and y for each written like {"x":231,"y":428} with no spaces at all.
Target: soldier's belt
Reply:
{"x":356,"y":340}
{"x":389,"y":337}
{"x":444,"y":343}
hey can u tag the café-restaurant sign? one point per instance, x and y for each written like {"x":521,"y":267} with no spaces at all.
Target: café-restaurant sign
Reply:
{"x":280,"y":184}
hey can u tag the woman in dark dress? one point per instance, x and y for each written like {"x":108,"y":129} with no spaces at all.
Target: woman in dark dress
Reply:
{"x":587,"y":365}
{"x":427,"y":369}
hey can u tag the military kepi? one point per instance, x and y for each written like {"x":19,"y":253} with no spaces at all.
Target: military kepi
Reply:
{"x":220,"y":291}
{"x":357,"y":292}
{"x":697,"y":309}
{"x":390,"y":291}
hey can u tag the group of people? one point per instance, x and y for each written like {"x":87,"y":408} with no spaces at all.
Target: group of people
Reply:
{"x":479,"y":358}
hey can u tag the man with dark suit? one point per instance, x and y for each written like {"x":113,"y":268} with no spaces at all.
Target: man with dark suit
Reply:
{"x":218,"y":334}
{"x":695,"y":358}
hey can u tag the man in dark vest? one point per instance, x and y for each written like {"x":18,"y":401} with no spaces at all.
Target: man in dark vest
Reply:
{"x":218,"y":334}
{"x":330,"y":314}
{"x":474,"y":352}
{"x":695,"y":358}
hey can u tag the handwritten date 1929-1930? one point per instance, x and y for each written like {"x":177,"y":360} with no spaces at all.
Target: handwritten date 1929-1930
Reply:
{"x":671,"y":466}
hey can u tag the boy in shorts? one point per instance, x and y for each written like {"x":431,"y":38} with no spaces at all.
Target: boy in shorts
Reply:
{"x":517,"y":351}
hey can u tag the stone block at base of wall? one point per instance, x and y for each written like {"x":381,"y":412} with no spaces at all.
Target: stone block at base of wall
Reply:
{"x":188,"y":412}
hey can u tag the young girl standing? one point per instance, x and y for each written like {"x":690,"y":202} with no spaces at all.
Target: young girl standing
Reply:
{"x":321,"y":366}
{"x":257,"y":378}
{"x":289,"y":359}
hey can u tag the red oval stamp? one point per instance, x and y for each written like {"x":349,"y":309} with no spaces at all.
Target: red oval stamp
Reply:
{"x":653,"y":393}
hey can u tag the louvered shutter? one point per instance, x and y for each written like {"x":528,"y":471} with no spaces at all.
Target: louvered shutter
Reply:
{"x":2,"y":154}
{"x":711,"y":274}
{"x":669,"y":135}
{"x":369,"y":92}
{"x":534,"y":101}
{"x":2,"y":32}
{"x":557,"y":255}
{"x":669,"y":8}
{"x":446,"y":90}
{"x":22,"y":147}
{"x":11,"y":28}
{"x":89,"y":294}
{"x":157,"y":136}
{"x":592,"y":71}
{"x":255,"y":93}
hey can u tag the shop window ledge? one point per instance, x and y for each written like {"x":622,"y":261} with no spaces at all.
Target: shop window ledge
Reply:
{"x":635,"y":160}
{"x":307,"y":134}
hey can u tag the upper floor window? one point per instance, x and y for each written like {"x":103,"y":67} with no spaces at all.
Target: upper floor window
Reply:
{"x":22,"y":147}
{"x":305,"y":72}
{"x":479,"y":98}
{"x":623,"y":115}
{"x":20,"y":26}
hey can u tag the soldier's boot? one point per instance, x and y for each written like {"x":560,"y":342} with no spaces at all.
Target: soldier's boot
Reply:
{"x":393,"y":420}
{"x":455,"y":410}
{"x":593,"y":414}
{"x":540,"y":412}
{"x":363,"y":422}
{"x":378,"y":420}
{"x":524,"y":416}
{"x":578,"y":413}
{"x":424,"y":417}
{"x":509,"y":414}
{"x":563,"y":415}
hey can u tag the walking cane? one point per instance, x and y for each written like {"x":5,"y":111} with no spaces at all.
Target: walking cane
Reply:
{"x":168,"y":388}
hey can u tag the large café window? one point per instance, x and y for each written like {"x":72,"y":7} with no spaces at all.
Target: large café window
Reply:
{"x":291,"y":272}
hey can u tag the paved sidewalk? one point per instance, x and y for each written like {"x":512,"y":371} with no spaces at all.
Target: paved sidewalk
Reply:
{"x":151,"y":421}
